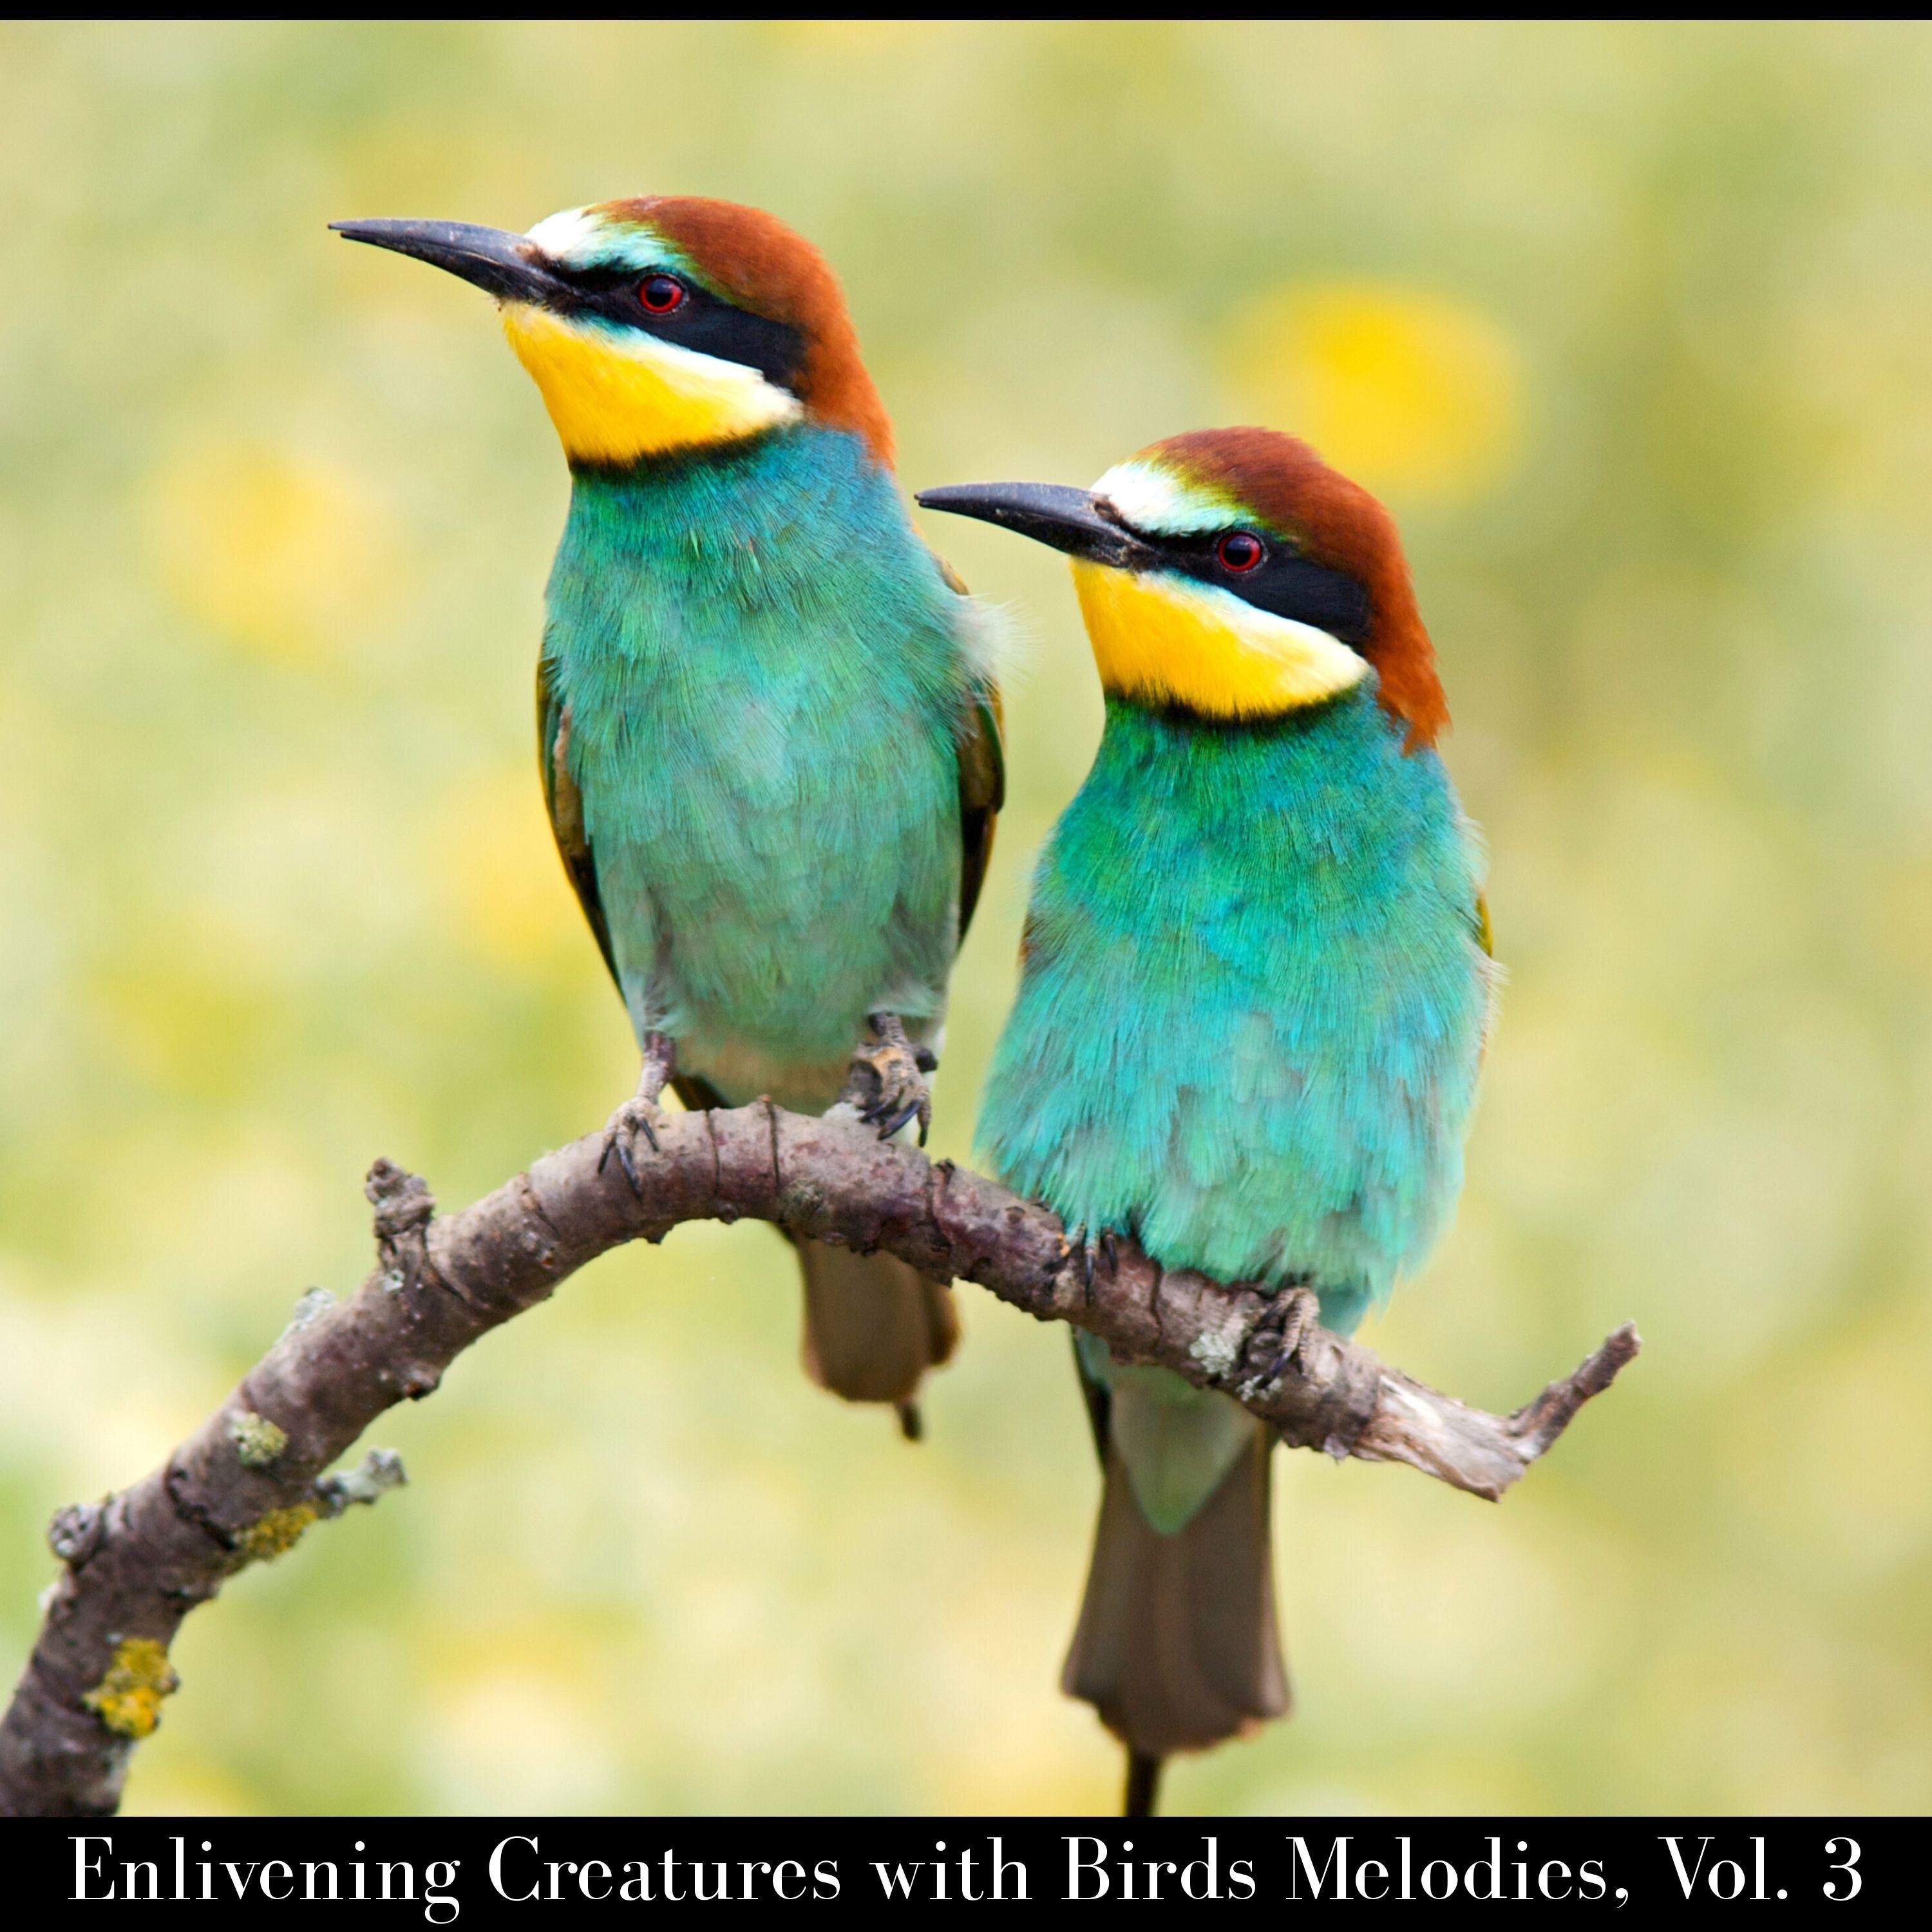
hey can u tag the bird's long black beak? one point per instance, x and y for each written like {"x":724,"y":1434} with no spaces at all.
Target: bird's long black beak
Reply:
{"x":1074,"y":520}
{"x":503,"y":264}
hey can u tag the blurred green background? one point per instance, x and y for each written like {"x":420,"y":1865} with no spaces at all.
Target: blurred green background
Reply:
{"x":1632,"y":326}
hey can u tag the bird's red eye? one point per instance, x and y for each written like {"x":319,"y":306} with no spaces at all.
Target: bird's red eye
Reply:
{"x":660,"y":294}
{"x":1240,"y":550}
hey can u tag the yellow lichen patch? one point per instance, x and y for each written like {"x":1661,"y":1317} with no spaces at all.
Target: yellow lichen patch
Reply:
{"x":277,"y":1533}
{"x":127,"y":1700}
{"x":1403,"y":388}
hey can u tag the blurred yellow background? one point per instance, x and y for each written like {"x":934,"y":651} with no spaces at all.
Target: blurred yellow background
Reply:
{"x":1632,"y":325}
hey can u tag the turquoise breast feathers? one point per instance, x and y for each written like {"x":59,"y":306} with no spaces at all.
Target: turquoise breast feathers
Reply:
{"x":1255,"y":1000}
{"x":765,"y":676}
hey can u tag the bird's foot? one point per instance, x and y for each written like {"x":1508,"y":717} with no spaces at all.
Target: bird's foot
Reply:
{"x":890,"y":1079}
{"x":640,"y":1114}
{"x":1300,"y":1309}
{"x":1086,"y":1252}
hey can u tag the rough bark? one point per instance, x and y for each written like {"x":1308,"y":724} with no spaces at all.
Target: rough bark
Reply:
{"x":252,"y":1479}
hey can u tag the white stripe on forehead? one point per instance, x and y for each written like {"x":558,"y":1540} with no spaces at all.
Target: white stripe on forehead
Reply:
{"x":582,"y":238}
{"x":569,"y":236}
{"x":1156,"y":500}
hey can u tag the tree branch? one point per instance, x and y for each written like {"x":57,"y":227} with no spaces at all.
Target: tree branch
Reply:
{"x":252,"y":1480}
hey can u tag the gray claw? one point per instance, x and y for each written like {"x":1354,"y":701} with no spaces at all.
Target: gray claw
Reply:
{"x":1303,"y":1312}
{"x":638,"y":1115}
{"x":616,"y":1142}
{"x":1075,"y":1247}
{"x":894,"y":1072}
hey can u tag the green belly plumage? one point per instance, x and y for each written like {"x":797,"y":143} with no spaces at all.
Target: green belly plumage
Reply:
{"x":765,"y":676}
{"x":1248,"y":1031}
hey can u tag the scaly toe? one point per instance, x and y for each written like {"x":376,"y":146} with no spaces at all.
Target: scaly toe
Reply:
{"x":901,"y":1093}
{"x":1303,"y":1312}
{"x":634,"y":1118}
{"x":1076,"y":1246}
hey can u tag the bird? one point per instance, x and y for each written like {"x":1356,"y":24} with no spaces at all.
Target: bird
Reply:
{"x":1256,"y":983}
{"x":769,"y":720}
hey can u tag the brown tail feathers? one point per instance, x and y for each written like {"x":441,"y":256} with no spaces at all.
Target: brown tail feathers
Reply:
{"x":1176,"y":1647}
{"x":874,"y":1324}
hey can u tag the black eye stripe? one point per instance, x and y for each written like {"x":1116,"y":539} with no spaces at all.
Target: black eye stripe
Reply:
{"x":1282,"y":583}
{"x":702,"y":322}
{"x":1309,"y":593}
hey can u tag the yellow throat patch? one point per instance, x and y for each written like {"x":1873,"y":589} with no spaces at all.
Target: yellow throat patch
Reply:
{"x":1161,"y":638}
{"x":616,"y":397}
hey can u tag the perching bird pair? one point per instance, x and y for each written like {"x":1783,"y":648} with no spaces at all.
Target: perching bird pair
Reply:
{"x":1256,"y":975}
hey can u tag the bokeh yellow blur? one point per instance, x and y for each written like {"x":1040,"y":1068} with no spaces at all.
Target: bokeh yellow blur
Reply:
{"x":1631,"y":324}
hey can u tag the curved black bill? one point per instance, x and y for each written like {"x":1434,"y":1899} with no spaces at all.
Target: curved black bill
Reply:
{"x":503,"y":264}
{"x":1050,"y":513}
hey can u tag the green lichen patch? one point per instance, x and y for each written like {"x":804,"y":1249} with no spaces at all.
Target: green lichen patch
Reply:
{"x":257,"y":1441}
{"x":1217,"y":1349}
{"x":314,"y":1304}
{"x":379,"y":1472}
{"x":276,"y":1534}
{"x":127,"y":1700}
